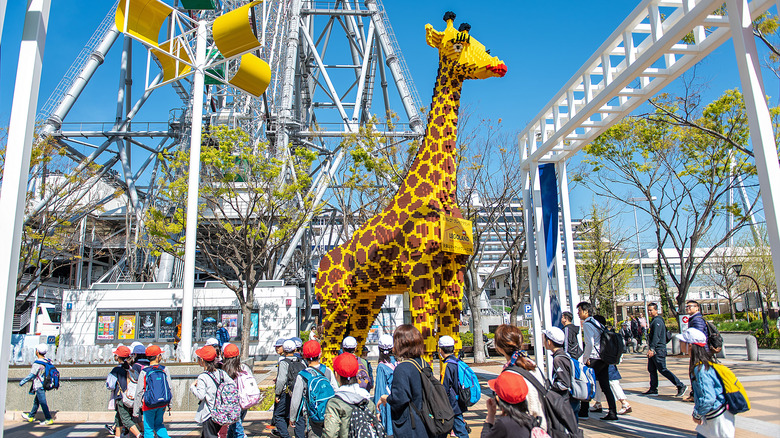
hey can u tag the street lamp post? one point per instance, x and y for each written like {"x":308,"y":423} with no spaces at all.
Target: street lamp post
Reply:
{"x":738,"y":270}
{"x":639,"y":253}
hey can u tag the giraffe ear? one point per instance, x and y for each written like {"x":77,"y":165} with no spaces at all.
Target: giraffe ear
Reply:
{"x":433,"y":37}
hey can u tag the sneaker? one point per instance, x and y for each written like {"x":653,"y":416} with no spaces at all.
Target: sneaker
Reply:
{"x":651,"y":393}
{"x":111,"y":429}
{"x":596,"y":408}
{"x":275,"y":432}
{"x":28,"y":417}
{"x":47,"y":422}
{"x":582,"y":417}
{"x":689,"y":398}
{"x":625,"y":410}
{"x":681,"y":391}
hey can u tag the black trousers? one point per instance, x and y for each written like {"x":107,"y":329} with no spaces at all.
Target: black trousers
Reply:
{"x":657,"y":364}
{"x":210,"y":429}
{"x":601,"y":369}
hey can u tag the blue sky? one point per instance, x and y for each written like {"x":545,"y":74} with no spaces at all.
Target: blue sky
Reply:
{"x":542,"y":43}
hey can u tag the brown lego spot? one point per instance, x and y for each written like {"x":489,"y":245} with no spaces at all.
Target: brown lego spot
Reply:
{"x":404,"y":200}
{"x":423,"y":171}
{"x":411,"y":180}
{"x":423,"y":190}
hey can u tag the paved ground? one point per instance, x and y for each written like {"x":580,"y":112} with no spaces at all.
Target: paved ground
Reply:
{"x":663,"y":416}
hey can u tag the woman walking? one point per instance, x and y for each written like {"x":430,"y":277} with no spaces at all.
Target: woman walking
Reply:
{"x":509,"y":341}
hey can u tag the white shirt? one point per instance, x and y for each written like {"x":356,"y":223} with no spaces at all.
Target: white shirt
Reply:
{"x":591,"y":338}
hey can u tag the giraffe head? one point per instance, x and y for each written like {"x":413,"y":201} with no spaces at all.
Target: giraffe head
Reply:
{"x":459,"y":49}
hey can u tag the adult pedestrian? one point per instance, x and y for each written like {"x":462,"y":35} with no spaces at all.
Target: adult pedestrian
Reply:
{"x":592,"y":339}
{"x":223,"y":336}
{"x":572,"y":346}
{"x":406,"y":390}
{"x":349,"y":396}
{"x":509,"y":342}
{"x":628,"y":338}
{"x":515,"y":421}
{"x":384,"y":379}
{"x":614,"y":384}
{"x":36,"y":388}
{"x":709,"y":410}
{"x":656,"y":354}
{"x":695,"y":318}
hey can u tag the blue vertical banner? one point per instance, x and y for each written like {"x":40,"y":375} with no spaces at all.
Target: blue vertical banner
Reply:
{"x":548,"y":187}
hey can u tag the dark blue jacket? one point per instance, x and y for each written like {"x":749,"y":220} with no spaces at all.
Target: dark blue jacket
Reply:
{"x":406,"y":389}
{"x":223,"y":336}
{"x":697,"y":321}
{"x":451,"y":383}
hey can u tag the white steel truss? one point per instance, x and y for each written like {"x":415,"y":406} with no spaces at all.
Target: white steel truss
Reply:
{"x":654,"y":45}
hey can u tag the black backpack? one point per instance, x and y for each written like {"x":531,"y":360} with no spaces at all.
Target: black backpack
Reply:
{"x":293,"y":368}
{"x":436,"y":412}
{"x":561,"y":422}
{"x":363,"y":424}
{"x":714,"y":340}
{"x":611,"y":345}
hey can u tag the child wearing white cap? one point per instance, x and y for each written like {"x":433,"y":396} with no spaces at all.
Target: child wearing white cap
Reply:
{"x":553,"y":340}
{"x":451,"y":384}
{"x":36,"y":389}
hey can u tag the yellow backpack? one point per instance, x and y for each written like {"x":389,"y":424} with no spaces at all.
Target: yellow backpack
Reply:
{"x":736,"y":397}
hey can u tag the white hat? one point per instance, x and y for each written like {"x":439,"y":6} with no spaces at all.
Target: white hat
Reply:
{"x":555,"y":334}
{"x":212,"y":341}
{"x":42,"y":348}
{"x":693,"y":336}
{"x":134,"y":344}
{"x":446,"y":341}
{"x":288,"y":346}
{"x":349,"y":342}
{"x":386,"y":342}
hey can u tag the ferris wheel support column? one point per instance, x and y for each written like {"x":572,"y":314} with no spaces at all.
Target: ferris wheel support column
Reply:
{"x":759,"y":121}
{"x":17,"y":169}
{"x":191,"y":231}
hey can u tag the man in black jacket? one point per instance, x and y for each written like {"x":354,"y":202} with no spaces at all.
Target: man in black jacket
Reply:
{"x":656,"y":354}
{"x":572,"y":344}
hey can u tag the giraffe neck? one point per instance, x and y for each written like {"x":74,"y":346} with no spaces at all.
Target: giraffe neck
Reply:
{"x":436,"y":161}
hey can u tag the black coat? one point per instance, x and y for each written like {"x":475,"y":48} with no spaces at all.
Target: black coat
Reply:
{"x":656,"y":338}
{"x":406,"y":388}
{"x":572,"y":343}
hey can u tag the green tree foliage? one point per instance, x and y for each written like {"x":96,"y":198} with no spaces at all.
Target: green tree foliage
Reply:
{"x":603,"y":271}
{"x":250,"y":207}
{"x":684,"y":160}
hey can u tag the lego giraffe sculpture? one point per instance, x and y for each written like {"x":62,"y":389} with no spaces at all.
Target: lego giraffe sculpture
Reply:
{"x":398,"y":250}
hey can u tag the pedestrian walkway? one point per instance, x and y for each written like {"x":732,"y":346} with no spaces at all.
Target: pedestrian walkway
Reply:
{"x":664,"y":416}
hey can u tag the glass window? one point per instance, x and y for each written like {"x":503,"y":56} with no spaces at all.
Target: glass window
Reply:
{"x":208,"y":323}
{"x":147,"y":325}
{"x":106,"y":326}
{"x":168,"y":322}
{"x":126,"y":326}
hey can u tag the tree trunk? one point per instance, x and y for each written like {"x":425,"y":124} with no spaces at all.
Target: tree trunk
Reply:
{"x":246,"y":317}
{"x":513,"y":315}
{"x":731,"y":310}
{"x":476,"y":318}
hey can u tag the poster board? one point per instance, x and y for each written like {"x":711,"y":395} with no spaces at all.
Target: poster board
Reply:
{"x":126,"y":326}
{"x":106,"y":327}
{"x":230,"y":322}
{"x":457,"y":235}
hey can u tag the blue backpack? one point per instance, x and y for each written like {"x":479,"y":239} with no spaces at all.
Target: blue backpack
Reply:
{"x":469,"y":391}
{"x":157,"y":393}
{"x":51,"y":376}
{"x":583,"y":381}
{"x":318,"y":392}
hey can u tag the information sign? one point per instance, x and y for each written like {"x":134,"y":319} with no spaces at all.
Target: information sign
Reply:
{"x":456,"y":235}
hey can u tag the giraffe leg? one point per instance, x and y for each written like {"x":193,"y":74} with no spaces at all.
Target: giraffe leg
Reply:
{"x":364,"y":314}
{"x":424,"y":296}
{"x":451,"y":302}
{"x":335,"y":319}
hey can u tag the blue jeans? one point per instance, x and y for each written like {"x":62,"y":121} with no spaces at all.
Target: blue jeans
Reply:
{"x":575,"y":406}
{"x":236,"y":430}
{"x":153,"y":423}
{"x":40,"y":399}
{"x":459,"y":427}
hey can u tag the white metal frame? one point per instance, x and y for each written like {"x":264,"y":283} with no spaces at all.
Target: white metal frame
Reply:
{"x":643,"y":55}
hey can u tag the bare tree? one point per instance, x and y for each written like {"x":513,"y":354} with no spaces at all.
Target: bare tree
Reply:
{"x":720,"y":274}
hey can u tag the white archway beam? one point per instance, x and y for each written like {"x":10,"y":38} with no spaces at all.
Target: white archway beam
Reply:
{"x":644,"y":47}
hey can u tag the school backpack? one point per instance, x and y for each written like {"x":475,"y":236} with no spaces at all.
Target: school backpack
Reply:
{"x":294,"y":366}
{"x":318,"y":392}
{"x":248,"y":392}
{"x":157,"y":393}
{"x":128,"y":395}
{"x":363,"y":424}
{"x":714,"y":340}
{"x":736,"y":397}
{"x":561,"y":422}
{"x":610,"y":344}
{"x":469,"y":391}
{"x":583,"y":381}
{"x":51,"y":376}
{"x":363,"y":377}
{"x":436,"y":413}
{"x":226,"y":409}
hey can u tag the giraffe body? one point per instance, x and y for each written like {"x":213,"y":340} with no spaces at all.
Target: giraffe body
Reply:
{"x":398,"y":249}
